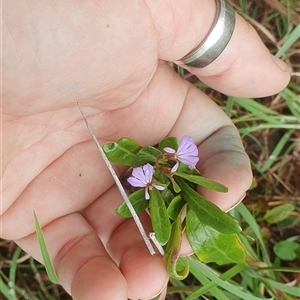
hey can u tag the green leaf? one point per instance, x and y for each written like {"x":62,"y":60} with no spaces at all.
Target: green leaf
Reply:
{"x":176,"y":187}
{"x":207,"y":183}
{"x":279,"y":213}
{"x":173,"y":249}
{"x":138,"y":202}
{"x":148,"y":155}
{"x":287,"y":250}
{"x":212,"y":246}
{"x":183,"y":168}
{"x":124,"y":152}
{"x":159,"y":217}
{"x":167,"y":195}
{"x":46,"y":257}
{"x":161,"y":177}
{"x":175,"y":207}
{"x":171,"y":142}
{"x":207,"y":212}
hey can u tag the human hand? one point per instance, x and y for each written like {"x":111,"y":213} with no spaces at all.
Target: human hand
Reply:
{"x":111,"y":57}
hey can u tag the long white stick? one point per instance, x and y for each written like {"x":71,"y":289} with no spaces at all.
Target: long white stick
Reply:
{"x":120,"y":187}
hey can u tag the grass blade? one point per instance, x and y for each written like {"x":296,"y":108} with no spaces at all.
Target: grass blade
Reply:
{"x":245,"y":213}
{"x":293,"y":101}
{"x":13,"y":271}
{"x":6,"y":291}
{"x":209,"y":285}
{"x":276,"y":152}
{"x":291,"y":290}
{"x":196,"y":266}
{"x":246,"y":130}
{"x":46,"y":257}
{"x":256,"y":108}
{"x":292,"y":38}
{"x":229,"y":105}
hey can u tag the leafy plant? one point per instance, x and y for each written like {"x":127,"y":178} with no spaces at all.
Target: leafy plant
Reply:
{"x":288,"y":249}
{"x":165,"y":181}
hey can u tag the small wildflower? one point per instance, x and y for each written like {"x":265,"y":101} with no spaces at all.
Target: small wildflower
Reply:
{"x":187,"y":153}
{"x":142,"y":177}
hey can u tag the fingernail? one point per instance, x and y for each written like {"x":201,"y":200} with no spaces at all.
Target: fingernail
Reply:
{"x":236,"y":204}
{"x":282,"y":65}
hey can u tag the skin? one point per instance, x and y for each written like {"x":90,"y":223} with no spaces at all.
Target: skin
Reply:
{"x":110,"y":56}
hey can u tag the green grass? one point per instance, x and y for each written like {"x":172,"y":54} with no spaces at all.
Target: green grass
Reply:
{"x":269,"y":214}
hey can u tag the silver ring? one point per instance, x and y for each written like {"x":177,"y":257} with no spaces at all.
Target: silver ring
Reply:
{"x":216,"y":41}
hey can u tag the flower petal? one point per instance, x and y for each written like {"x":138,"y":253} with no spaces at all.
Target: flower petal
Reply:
{"x":175,"y":167}
{"x":136,"y":182}
{"x":158,"y":187}
{"x":188,"y":151}
{"x":138,"y":172}
{"x":185,"y":142}
{"x":190,"y":161}
{"x":191,"y":149}
{"x":169,"y":150}
{"x":147,"y":196}
{"x":148,"y":172}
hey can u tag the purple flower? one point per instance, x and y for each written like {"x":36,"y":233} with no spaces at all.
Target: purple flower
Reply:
{"x":142,"y":177}
{"x":187,"y":153}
